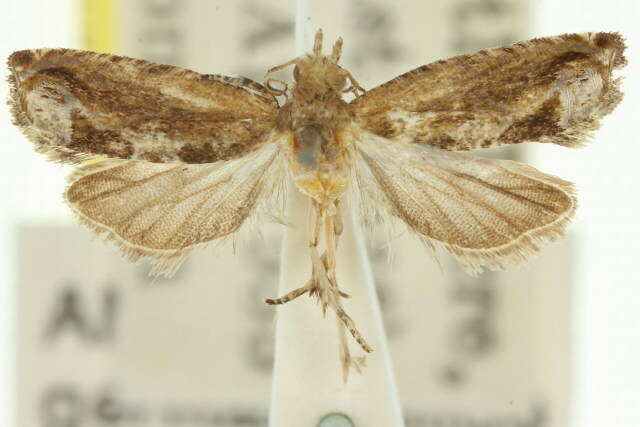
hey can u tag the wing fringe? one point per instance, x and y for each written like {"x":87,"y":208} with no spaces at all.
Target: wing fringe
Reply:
{"x":42,"y":146}
{"x":166,"y":262}
{"x":376,"y":208}
{"x":518,"y":252}
{"x":560,"y":90}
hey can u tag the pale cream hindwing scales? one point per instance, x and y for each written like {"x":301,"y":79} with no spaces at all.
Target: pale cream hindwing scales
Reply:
{"x":164,"y":210}
{"x":485,"y":212}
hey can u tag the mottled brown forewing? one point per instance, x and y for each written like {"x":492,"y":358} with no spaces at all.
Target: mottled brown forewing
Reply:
{"x":76,"y":104}
{"x":552,"y":89}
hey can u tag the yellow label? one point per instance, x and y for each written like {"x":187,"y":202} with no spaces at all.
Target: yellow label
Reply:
{"x":99,"y":21}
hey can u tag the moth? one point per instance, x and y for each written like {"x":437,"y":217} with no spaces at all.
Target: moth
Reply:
{"x":169,"y":160}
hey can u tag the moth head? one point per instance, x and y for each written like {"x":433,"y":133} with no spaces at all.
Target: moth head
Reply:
{"x":317,"y":72}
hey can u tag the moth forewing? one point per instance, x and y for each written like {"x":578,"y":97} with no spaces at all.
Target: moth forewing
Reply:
{"x":75,"y":104}
{"x":553,"y":89}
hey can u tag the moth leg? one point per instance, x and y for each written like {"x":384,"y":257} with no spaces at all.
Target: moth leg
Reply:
{"x":289,"y":295}
{"x":314,"y":239}
{"x":354,"y":87}
{"x":338,"y":228}
{"x":346,"y":360}
{"x":323,"y":284}
{"x":277,"y":91}
{"x":323,"y":275}
{"x":272,"y":70}
{"x":315,"y":223}
{"x":332,"y":246}
{"x":333,"y":228}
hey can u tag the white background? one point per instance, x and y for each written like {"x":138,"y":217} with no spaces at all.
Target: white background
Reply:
{"x":607,"y":173}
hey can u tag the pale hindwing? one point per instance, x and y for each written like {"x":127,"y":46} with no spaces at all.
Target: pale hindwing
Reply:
{"x":485,"y":212}
{"x":75,"y":105}
{"x":163,"y":211}
{"x":553,"y":89}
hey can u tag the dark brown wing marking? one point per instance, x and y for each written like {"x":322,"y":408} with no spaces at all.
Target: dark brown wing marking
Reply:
{"x":75,"y":103}
{"x":546,"y":90}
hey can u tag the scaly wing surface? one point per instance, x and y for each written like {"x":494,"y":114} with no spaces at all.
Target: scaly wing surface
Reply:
{"x":485,"y":212}
{"x":552,"y":89}
{"x":162,"y":211}
{"x":75,"y":105}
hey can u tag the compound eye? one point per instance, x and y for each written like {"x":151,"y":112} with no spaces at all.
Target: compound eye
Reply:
{"x":296,"y":73}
